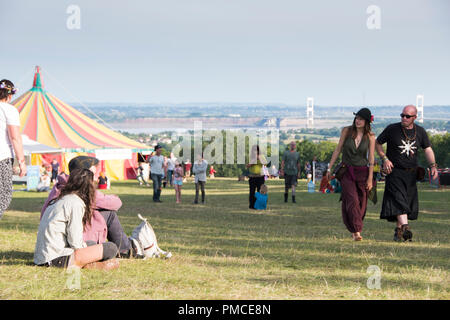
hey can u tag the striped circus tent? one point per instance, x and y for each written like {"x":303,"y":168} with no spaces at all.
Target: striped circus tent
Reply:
{"x":48,"y":120}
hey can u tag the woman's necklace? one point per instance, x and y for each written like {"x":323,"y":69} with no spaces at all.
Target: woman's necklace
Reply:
{"x":406,"y":136}
{"x":358,"y":141}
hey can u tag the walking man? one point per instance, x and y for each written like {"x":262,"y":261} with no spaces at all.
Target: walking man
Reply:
{"x":199,"y":169}
{"x":157,"y":167}
{"x":290,"y":169}
{"x":400,"y":201}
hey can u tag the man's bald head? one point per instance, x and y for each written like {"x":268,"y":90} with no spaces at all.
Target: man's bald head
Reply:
{"x":410,"y":109}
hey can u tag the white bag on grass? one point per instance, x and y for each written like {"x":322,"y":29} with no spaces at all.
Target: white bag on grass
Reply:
{"x":144,"y":240}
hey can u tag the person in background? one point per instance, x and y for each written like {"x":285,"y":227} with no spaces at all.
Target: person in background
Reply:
{"x":140,"y":175}
{"x":212,"y":172}
{"x":307,"y":168}
{"x":43,"y":170}
{"x":157,"y":167}
{"x":325,"y":186}
{"x":290,"y":169}
{"x":273,"y":172}
{"x":357,"y":144}
{"x":256,"y":176}
{"x":178,"y":175}
{"x":266,"y":172}
{"x":199,"y":169}
{"x":102,"y":181}
{"x":59,"y":240}
{"x":10,"y":143}
{"x":55,"y":170}
{"x":170,"y":168}
{"x":44,"y":183}
{"x":261,"y":198}
{"x":187,"y":168}
{"x":376,"y":170}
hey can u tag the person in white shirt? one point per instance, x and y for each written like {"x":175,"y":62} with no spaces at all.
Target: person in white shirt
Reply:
{"x":10,"y":143}
{"x":199,"y":169}
{"x":157,"y":166}
{"x":59,"y":240}
{"x":44,"y":183}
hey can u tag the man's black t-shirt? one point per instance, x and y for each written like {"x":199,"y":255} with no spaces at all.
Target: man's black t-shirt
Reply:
{"x":401,"y":149}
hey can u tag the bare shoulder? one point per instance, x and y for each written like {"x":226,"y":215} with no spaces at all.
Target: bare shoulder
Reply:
{"x":346,"y":130}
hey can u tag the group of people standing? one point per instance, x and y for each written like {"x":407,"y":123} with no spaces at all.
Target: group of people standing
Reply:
{"x":176,"y":174}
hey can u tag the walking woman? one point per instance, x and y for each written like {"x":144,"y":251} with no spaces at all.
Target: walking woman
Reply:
{"x":10,"y":143}
{"x":59,"y":240}
{"x":357,"y":144}
{"x":256,"y":175}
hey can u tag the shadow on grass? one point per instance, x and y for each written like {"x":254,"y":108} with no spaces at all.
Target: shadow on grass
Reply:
{"x":16,"y":258}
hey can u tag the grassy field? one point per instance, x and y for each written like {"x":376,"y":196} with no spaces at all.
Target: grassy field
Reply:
{"x":223,"y":250}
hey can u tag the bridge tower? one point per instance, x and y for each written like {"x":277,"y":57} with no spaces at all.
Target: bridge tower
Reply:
{"x":419,"y":106}
{"x":310,"y":112}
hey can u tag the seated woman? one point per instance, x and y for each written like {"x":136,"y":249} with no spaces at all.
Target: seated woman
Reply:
{"x":104,"y":224}
{"x":60,"y":236}
{"x":102,"y":181}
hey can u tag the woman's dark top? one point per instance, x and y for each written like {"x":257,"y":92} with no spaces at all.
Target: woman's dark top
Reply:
{"x":353,"y":156}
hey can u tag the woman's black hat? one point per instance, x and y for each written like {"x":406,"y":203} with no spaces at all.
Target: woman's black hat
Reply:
{"x":365,"y":114}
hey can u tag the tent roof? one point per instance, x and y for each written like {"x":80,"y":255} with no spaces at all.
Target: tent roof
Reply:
{"x":31,"y":146}
{"x":48,"y":120}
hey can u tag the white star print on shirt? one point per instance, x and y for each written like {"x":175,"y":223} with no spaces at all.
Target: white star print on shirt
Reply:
{"x":407,"y":147}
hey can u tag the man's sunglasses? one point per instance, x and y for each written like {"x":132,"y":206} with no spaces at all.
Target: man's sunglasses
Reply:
{"x":407,"y":116}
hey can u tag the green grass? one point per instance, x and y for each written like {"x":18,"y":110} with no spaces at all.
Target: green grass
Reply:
{"x":222,"y":250}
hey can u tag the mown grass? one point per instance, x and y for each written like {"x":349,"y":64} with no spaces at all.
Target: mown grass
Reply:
{"x":223,"y":250}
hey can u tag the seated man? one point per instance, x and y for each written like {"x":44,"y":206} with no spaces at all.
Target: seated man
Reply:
{"x":105,"y":222}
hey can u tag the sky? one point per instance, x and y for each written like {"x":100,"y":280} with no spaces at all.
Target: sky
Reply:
{"x":231,"y":51}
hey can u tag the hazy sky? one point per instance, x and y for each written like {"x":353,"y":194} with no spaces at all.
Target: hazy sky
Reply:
{"x":231,"y":50}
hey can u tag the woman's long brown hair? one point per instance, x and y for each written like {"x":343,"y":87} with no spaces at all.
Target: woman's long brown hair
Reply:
{"x":81,"y":183}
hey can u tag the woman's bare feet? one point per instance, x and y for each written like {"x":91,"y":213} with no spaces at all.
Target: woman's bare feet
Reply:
{"x":357,"y":236}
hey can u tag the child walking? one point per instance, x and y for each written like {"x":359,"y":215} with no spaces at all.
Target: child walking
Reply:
{"x":178,"y":175}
